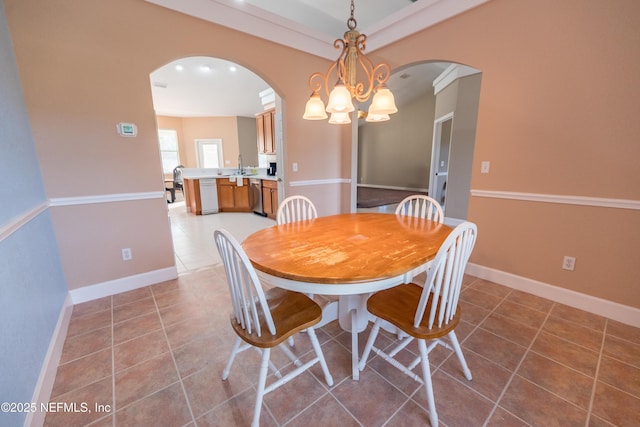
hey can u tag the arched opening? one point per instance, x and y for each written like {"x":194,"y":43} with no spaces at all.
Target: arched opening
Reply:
{"x":195,"y":93}
{"x":398,"y":157}
{"x":207,"y":114}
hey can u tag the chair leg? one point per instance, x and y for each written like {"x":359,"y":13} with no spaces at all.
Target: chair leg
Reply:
{"x":262,"y":381}
{"x":296,"y":361}
{"x":232,"y":356}
{"x":428,"y":386}
{"x":369,"y":345}
{"x":454,"y":341}
{"x":323,"y":363}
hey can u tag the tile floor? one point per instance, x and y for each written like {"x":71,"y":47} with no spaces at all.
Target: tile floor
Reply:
{"x":153,"y":357}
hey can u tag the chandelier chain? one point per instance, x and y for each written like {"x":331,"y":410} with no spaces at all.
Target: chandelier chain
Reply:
{"x":351,"y":22}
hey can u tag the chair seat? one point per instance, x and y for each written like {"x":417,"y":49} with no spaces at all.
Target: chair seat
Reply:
{"x":398,"y":307}
{"x":292,"y":312}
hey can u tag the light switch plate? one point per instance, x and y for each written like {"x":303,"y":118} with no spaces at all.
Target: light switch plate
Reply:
{"x":484,"y":168}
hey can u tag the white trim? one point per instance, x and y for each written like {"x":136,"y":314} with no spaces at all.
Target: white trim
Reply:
{"x":245,"y":17}
{"x":18,"y":222}
{"x":612,"y":310}
{"x":556,"y":198}
{"x":44,"y":386}
{"x":319,"y":182}
{"x":105,"y":198}
{"x":112,"y":287}
{"x":450,"y":75}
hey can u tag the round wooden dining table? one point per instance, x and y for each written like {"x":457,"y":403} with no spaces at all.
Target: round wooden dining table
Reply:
{"x":350,"y":255}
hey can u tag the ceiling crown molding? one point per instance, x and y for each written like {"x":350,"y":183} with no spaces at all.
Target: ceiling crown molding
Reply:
{"x":256,"y":21}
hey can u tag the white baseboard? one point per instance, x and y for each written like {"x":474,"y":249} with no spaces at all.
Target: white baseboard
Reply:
{"x":612,"y":310}
{"x":44,"y":386}
{"x":112,"y":287}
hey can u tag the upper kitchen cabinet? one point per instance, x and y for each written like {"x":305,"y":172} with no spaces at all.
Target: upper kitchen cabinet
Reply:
{"x":266,"y":132}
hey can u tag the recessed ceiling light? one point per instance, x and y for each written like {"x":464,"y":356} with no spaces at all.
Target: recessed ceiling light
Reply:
{"x":232,"y":68}
{"x":179,"y":67}
{"x":205,"y":68}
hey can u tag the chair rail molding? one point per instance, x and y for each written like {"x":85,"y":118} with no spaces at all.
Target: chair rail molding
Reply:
{"x":105,"y":198}
{"x":561,"y":199}
{"x":19,"y":221}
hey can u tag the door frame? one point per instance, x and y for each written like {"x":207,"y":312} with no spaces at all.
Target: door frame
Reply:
{"x":202,"y":141}
{"x":435,"y":150}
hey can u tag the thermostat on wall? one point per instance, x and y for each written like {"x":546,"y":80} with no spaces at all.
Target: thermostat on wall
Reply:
{"x":127,"y":129}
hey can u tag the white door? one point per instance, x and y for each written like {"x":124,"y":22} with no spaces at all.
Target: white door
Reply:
{"x":209,"y":153}
{"x":440,"y":156}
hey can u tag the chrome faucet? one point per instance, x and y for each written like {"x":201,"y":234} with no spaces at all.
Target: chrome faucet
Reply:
{"x":239,"y":164}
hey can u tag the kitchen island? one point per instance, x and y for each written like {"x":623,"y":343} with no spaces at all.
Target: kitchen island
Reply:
{"x":224,"y":190}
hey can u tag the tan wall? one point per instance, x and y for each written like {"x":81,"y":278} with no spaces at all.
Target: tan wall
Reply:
{"x":397,"y":152}
{"x":557,"y":115}
{"x":191,"y":128}
{"x":84,"y":67}
{"x":225,"y":128}
{"x":90,"y":248}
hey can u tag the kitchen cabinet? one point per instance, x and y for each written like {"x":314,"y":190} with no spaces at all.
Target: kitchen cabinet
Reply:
{"x":270,"y":198}
{"x":200,"y":195}
{"x":191,"y":189}
{"x":266,"y":132}
{"x":232,"y":198}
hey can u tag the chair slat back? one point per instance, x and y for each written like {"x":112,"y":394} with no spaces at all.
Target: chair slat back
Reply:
{"x":247,"y":296}
{"x":444,"y":278}
{"x":296,"y":208}
{"x":177,"y":174}
{"x":421,"y":206}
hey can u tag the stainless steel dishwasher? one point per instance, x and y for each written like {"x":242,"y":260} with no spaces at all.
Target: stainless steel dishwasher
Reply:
{"x":255,"y":186}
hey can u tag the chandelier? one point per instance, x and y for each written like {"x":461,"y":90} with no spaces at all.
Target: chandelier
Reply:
{"x":345,"y":69}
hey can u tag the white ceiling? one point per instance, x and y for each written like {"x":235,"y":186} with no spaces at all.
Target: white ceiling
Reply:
{"x":308,"y":25}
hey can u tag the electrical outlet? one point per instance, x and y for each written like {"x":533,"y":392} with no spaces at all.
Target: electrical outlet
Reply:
{"x":295,"y":167}
{"x":126,"y":254}
{"x":569,"y":263}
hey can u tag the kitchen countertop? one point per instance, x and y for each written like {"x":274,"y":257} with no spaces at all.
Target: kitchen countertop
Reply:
{"x":204,"y":173}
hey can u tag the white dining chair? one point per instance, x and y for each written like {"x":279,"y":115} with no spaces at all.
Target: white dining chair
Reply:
{"x":426,"y":313}
{"x":265,"y":320}
{"x":295,"y":208}
{"x":421,"y":206}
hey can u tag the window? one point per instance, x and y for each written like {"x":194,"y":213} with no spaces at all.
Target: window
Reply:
{"x":168,"y":149}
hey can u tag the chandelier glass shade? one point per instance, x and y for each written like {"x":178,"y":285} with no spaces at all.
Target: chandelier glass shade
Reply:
{"x":339,"y":118}
{"x":351,"y":63}
{"x":315,"y":108}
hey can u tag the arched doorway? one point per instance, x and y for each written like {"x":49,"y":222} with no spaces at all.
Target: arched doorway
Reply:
{"x":210,"y":98}
{"x":398,"y":154}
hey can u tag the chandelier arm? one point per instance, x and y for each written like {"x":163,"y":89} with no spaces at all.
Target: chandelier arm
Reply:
{"x":315,"y":82}
{"x":359,"y":91}
{"x":381,"y":73}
